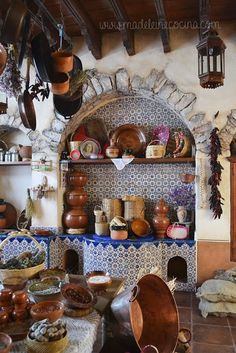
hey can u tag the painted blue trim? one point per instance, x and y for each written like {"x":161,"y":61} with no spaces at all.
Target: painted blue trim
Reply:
{"x":137,"y":243}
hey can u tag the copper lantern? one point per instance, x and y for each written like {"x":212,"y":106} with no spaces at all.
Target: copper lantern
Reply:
{"x":211,"y":59}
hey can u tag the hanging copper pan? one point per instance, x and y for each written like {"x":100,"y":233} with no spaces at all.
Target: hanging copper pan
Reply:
{"x":3,"y":58}
{"x":13,"y":22}
{"x":26,"y":106}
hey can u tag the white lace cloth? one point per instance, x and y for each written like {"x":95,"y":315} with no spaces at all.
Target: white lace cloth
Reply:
{"x":82,"y":333}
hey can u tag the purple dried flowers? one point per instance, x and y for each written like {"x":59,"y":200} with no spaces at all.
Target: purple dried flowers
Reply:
{"x":183,"y":196}
{"x":161,"y":133}
{"x":10,"y":80}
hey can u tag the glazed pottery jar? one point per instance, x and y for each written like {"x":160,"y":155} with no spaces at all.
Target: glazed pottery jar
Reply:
{"x":76,"y":197}
{"x":19,"y":297}
{"x":5,"y":295}
{"x":76,"y":178}
{"x":112,"y":151}
{"x":76,"y":218}
{"x":181,"y":214}
{"x":160,"y":220}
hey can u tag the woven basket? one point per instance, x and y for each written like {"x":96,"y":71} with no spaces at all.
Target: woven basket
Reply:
{"x":24,"y":272}
{"x":47,"y":347}
{"x":155,"y":150}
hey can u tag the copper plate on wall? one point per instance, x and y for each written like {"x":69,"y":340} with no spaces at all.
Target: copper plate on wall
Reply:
{"x":130,"y":136}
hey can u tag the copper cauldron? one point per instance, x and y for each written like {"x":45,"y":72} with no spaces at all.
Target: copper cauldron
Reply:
{"x":148,"y":312}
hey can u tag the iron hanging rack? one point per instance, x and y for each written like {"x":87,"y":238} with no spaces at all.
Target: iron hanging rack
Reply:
{"x":40,"y":4}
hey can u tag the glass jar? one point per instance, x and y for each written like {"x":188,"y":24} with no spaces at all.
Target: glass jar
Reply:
{"x":2,"y":155}
{"x":8,"y":156}
{"x":14,"y":156}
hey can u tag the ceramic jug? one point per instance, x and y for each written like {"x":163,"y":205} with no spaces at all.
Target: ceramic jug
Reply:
{"x":160,"y":220}
{"x":112,"y":151}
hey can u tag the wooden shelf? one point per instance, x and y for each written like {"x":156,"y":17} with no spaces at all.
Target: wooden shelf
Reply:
{"x":135,"y":161}
{"x":7,"y":164}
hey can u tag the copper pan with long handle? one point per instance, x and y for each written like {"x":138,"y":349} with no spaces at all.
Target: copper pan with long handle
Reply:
{"x":25,"y":104}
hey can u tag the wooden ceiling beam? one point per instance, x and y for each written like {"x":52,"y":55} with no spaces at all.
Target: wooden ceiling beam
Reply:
{"x":123,"y":20}
{"x":88,"y":30}
{"x":163,"y":25}
{"x":204,"y":9}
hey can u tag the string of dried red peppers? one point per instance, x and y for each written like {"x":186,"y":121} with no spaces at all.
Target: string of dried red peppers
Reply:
{"x":215,"y":178}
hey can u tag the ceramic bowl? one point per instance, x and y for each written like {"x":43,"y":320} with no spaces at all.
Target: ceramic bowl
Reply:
{"x":53,"y":272}
{"x":47,"y":290}
{"x":51,"y":310}
{"x":140,"y":227}
{"x":77,"y":296}
{"x":5,"y":343}
{"x":14,"y":283}
{"x":98,"y":280}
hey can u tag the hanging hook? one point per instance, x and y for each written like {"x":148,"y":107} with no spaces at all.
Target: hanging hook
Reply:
{"x":60,"y":30}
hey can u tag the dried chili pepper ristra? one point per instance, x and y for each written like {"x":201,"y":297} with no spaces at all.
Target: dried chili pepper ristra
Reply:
{"x":215,"y":199}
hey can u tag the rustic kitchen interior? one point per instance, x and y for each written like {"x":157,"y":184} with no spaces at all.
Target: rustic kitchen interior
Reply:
{"x":117,"y":176}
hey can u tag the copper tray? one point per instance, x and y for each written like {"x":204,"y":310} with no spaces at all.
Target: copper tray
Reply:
{"x":130,"y":136}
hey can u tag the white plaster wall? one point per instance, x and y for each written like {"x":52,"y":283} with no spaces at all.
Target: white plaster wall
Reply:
{"x":180,"y":65}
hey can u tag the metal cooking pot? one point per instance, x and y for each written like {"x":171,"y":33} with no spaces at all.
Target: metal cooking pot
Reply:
{"x":66,"y":108}
{"x":13,"y":22}
{"x":149,"y":313}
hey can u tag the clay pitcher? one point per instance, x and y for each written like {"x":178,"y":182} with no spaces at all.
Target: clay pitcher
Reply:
{"x":160,"y":220}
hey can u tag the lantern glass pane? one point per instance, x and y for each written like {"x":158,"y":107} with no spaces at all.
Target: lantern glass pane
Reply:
{"x":219,"y":63}
{"x":204,"y":64}
{"x":223,"y":62}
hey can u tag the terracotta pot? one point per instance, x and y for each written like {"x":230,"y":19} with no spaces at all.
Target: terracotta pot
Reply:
{"x":60,"y":83}
{"x":19,"y":297}
{"x":25,"y":152}
{"x":76,"y":178}
{"x":161,"y":221}
{"x":62,"y":61}
{"x":76,"y":197}
{"x":76,"y":218}
{"x":6,"y":295}
{"x":3,"y":221}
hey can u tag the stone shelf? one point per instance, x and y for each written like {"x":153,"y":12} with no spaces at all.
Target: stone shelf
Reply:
{"x":135,"y":161}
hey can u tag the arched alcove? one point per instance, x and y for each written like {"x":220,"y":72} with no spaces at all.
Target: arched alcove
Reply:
{"x":71,"y":261}
{"x":177,"y":268}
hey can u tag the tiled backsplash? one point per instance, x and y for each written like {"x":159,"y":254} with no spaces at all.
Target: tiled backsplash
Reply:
{"x":152,"y":181}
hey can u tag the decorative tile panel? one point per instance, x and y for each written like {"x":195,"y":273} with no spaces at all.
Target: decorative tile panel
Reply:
{"x":151,"y":181}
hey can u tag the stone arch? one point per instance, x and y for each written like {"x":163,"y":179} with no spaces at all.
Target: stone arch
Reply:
{"x":228,"y":132}
{"x":104,"y":88}
{"x":39,"y":143}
